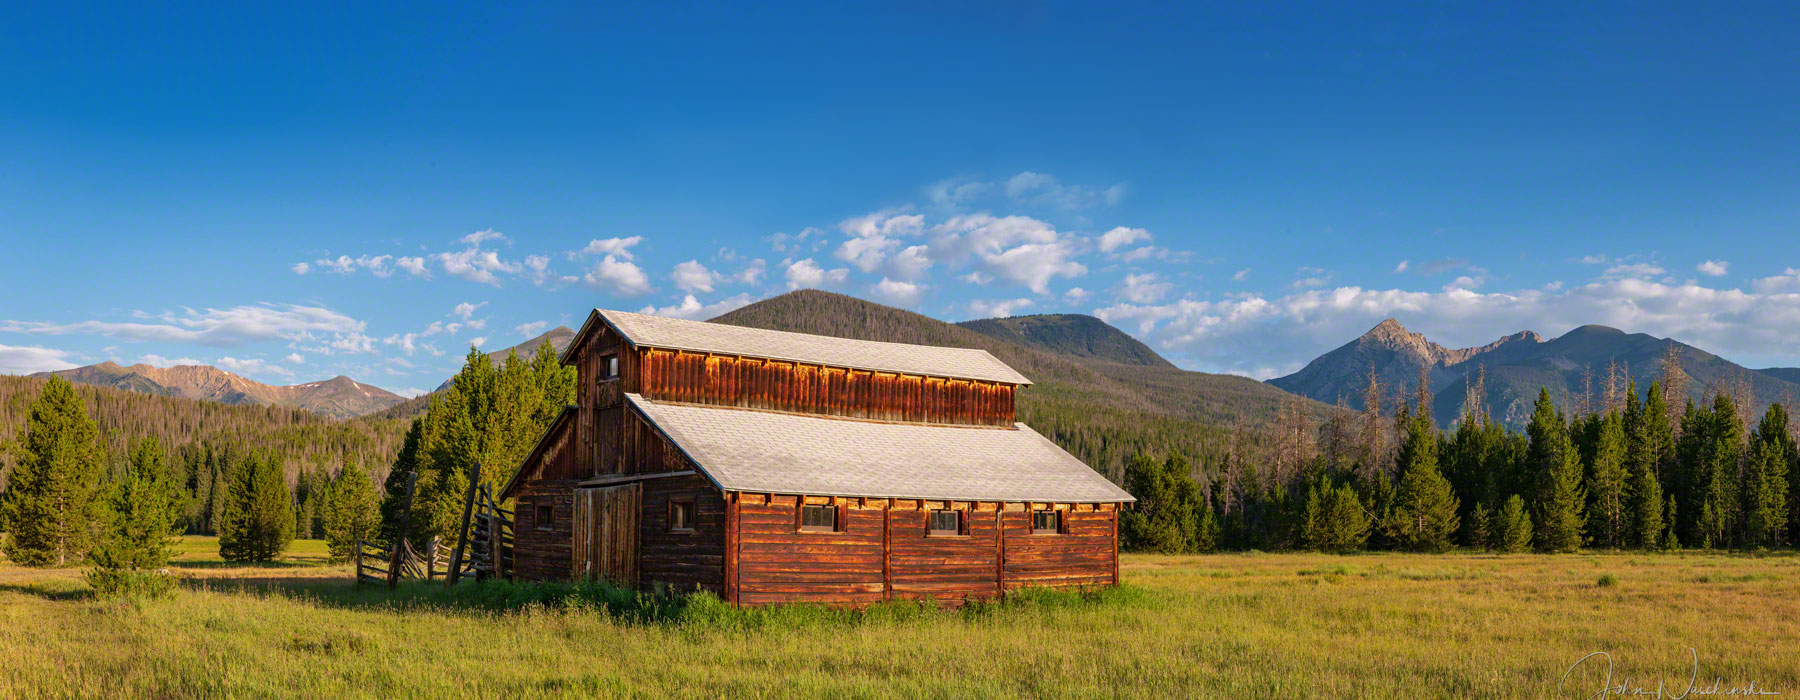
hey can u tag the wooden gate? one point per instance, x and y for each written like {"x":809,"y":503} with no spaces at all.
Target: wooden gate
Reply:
{"x":606,"y":533}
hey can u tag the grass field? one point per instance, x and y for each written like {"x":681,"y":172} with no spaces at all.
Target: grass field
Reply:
{"x":1228,"y":625}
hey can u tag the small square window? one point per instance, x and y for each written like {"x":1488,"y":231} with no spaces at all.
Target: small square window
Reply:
{"x":610,"y":367}
{"x":945,"y":522}
{"x":818,"y":519}
{"x":1046,"y":522}
{"x":681,"y":516}
{"x":546,"y":518}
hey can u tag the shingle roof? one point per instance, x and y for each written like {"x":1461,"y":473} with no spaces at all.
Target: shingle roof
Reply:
{"x":700,"y":336}
{"x":766,"y":452}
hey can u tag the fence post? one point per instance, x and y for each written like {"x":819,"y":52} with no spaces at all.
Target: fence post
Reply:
{"x":462,"y":536}
{"x":431,"y":558}
{"x":393,"y":577}
{"x":359,"y":556}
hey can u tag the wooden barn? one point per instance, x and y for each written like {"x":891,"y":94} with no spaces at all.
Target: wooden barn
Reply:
{"x":778,"y":467}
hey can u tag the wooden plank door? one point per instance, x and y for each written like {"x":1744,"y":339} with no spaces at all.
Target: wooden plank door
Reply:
{"x":606,"y":533}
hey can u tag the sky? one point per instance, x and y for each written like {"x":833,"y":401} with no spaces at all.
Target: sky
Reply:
{"x":294,"y":193}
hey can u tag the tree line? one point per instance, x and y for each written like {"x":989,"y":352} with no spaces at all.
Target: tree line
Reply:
{"x":70,"y":498}
{"x":1647,"y":470}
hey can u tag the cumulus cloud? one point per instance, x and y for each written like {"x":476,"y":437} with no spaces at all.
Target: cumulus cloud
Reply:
{"x":236,"y":325}
{"x":1076,"y":294}
{"x":478,"y":341}
{"x":301,"y":268}
{"x":1121,"y":236}
{"x":1018,"y":249}
{"x":466,"y":309}
{"x":1402,"y":267}
{"x":413,"y":265}
{"x":483,"y":236}
{"x":531,"y":329}
{"x":871,"y":237}
{"x":954,"y":192}
{"x":617,"y":275}
{"x":344,"y":265}
{"x":1240,"y":275}
{"x":1145,"y":288}
{"x":537,"y":269}
{"x":1713,"y":268}
{"x":29,"y":359}
{"x":691,"y":276}
{"x":1254,"y":335}
{"x":252,"y":365}
{"x":997,"y":308}
{"x":806,"y":274}
{"x":156,"y":360}
{"x":619,"y":247}
{"x":1633,"y":270}
{"x":808,"y":240}
{"x":897,"y":292}
{"x":477,"y":265}
{"x":1788,"y":281}
{"x":294,"y":359}
{"x":691,"y":308}
{"x":411,"y":392}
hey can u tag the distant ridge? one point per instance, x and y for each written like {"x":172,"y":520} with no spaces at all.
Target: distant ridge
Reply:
{"x":1069,"y":334}
{"x":338,"y":397}
{"x":1517,"y":366}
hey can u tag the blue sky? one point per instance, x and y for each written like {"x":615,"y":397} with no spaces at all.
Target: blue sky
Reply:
{"x":366,"y":191}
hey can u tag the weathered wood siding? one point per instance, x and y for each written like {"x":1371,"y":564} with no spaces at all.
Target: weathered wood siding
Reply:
{"x":882,"y":551}
{"x":945,"y":568}
{"x":682,"y":561}
{"x":557,"y":458}
{"x":1084,"y":555}
{"x":690,"y":377}
{"x":776,"y":563}
{"x":543,"y":554}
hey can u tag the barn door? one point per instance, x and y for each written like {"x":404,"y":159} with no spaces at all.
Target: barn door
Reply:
{"x":606,"y":533}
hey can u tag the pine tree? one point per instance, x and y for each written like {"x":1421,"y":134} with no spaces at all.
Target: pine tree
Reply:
{"x":1765,"y":521}
{"x":1206,"y":533}
{"x":350,"y":512}
{"x":1424,"y":514}
{"x":1556,"y":471}
{"x":1165,"y":517}
{"x":1513,"y":532}
{"x":51,"y":503}
{"x":1608,"y":507}
{"x":1670,"y":541}
{"x":259,"y":518}
{"x":1647,"y":509}
{"x":141,"y":517}
{"x":1346,"y":522}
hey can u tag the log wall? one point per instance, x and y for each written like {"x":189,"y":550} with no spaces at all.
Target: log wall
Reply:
{"x":682,"y":561}
{"x":540,"y":554}
{"x":882,"y":551}
{"x":746,"y":382}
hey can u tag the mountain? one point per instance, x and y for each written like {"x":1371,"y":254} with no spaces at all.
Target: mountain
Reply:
{"x":1786,"y":374}
{"x":1069,"y":334}
{"x":1518,"y":365}
{"x":338,"y":397}
{"x":1100,"y":409}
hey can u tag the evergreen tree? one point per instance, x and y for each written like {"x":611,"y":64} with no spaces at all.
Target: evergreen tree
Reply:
{"x":1424,"y":513}
{"x":1608,"y":507}
{"x":1557,"y":527}
{"x":1512,"y":526}
{"x":141,"y":517}
{"x":350,"y":512}
{"x":51,"y":503}
{"x":1342,"y":524}
{"x":1647,"y":509}
{"x":1670,"y":540}
{"x":1206,"y":535}
{"x":259,"y":519}
{"x":1166,"y":516}
{"x":1765,"y":513}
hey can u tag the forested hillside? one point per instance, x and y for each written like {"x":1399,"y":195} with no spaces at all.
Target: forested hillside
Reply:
{"x":1103,"y":412}
{"x":1076,"y":335}
{"x":298,"y":438}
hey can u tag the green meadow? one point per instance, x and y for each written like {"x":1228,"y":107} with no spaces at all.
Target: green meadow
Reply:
{"x":1226,"y":625}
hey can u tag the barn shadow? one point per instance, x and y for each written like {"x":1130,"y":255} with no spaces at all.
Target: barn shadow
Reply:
{"x":48,"y":592}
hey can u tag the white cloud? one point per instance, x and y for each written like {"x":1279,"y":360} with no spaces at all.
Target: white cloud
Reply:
{"x":1788,"y":281}
{"x":479,"y":237}
{"x":807,"y":240}
{"x":478,"y":341}
{"x":1253,"y":333}
{"x":806,"y":274}
{"x":1143,"y":288}
{"x":252,"y":366}
{"x":1240,"y":275}
{"x":909,"y":264}
{"x":951,"y":193}
{"x":977,"y":277}
{"x":300,"y":268}
{"x":691,"y":276}
{"x":1713,"y":268}
{"x":531,"y":329}
{"x":156,"y":360}
{"x":1633,"y":270}
{"x":413,"y":265}
{"x":294,"y":359}
{"x":344,"y":265}
{"x":238,"y":324}
{"x":1018,"y":249}
{"x":619,"y":247}
{"x":477,"y":265}
{"x":1121,"y":236}
{"x":1402,"y":266}
{"x":691,"y":308}
{"x":412,"y":392}
{"x":615,"y":275}
{"x":873,"y":236}
{"x":897,"y":292}
{"x":29,"y":359}
{"x":537,"y":269}
{"x":1046,"y":190}
{"x":752,"y":273}
{"x":997,"y":308}
{"x":467,"y":309}
{"x":1075,"y":294}
{"x":1594,"y":260}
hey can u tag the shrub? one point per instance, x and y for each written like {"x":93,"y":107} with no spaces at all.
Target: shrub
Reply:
{"x":1607,"y":581}
{"x":130,"y":583}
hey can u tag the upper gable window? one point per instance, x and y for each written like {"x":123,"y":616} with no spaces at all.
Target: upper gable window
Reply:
{"x":609,"y":367}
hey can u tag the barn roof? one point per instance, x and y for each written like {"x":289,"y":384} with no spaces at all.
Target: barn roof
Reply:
{"x":700,"y":336}
{"x":769,"y":452}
